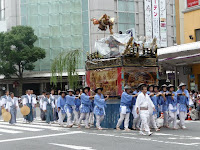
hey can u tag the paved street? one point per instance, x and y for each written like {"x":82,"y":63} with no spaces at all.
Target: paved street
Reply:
{"x":40,"y":135}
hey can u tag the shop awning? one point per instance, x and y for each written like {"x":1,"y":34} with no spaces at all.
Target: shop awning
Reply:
{"x":180,"y":55}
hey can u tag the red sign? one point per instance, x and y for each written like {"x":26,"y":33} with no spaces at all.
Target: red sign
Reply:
{"x":191,"y":3}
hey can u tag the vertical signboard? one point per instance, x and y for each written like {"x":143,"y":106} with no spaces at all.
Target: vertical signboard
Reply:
{"x":148,"y":20}
{"x":156,"y":21}
{"x":163,"y":24}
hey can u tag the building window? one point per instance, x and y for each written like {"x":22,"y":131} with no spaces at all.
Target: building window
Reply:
{"x":197,"y":32}
{"x":2,"y":11}
{"x":126,"y":15}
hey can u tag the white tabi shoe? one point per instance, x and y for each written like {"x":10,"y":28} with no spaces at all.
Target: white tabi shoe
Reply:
{"x":184,"y":127}
{"x":141,"y":133}
{"x":150,"y":133}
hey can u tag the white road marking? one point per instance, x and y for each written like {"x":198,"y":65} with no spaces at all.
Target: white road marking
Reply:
{"x":41,"y":136}
{"x":146,"y":139}
{"x":45,"y":124}
{"x":37,"y":126}
{"x":9,"y":131}
{"x":73,"y":146}
{"x":20,"y":128}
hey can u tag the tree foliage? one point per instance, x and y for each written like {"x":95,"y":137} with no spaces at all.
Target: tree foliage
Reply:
{"x":17,"y":51}
{"x":66,"y":62}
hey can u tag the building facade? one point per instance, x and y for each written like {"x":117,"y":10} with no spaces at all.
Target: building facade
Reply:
{"x":63,"y":25}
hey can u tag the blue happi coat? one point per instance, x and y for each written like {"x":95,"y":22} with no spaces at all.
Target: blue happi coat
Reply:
{"x":85,"y":103}
{"x":134,"y":98}
{"x":183,"y":100}
{"x":164,"y":103}
{"x":61,"y":103}
{"x":126,"y":100}
{"x":77,"y":104}
{"x":70,"y":102}
{"x":100,"y":105}
{"x":172,"y":102}
{"x":154,"y":99}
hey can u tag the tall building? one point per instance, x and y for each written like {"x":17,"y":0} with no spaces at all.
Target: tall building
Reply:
{"x":9,"y":14}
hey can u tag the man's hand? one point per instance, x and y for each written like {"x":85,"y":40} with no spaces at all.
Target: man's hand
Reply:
{"x":183,"y":94}
{"x":151,"y":94}
{"x":107,"y":96}
{"x":154,"y":109}
{"x":91,"y":97}
{"x":137,"y":110}
{"x":135,"y":95}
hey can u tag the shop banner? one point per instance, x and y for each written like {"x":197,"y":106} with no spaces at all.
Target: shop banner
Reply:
{"x":148,"y":20}
{"x":163,"y":24}
{"x":191,"y":3}
{"x":156,"y":21}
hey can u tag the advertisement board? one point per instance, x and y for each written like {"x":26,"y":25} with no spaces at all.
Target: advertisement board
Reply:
{"x":148,"y":20}
{"x":156,"y":21}
{"x":191,"y":3}
{"x":163,"y":24}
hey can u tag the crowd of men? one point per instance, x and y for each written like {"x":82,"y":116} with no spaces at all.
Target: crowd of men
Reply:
{"x":146,"y":102}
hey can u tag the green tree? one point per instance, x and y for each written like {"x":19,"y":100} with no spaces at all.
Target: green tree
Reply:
{"x":18,"y":53}
{"x":66,"y":62}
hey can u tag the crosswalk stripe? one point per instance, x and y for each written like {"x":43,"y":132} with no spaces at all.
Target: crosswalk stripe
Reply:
{"x":20,"y":128}
{"x":39,"y":126}
{"x":45,"y":124}
{"x":9,"y":131}
{"x":34,"y":126}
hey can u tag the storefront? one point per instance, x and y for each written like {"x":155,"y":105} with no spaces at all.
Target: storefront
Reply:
{"x":184,"y":61}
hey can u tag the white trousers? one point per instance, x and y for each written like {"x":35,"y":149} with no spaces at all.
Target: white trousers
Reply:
{"x":86,"y":116}
{"x":99,"y":119}
{"x":136,"y":118}
{"x":61,"y":117}
{"x":172,"y":118}
{"x":121,"y":119}
{"x":69,"y":118}
{"x":91,"y":118}
{"x":166,"y":118}
{"x":144,"y":116}
{"x":153,"y":121}
{"x":76,"y":116}
{"x":182,"y":116}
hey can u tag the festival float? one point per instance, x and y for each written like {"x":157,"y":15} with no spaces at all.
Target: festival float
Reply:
{"x":119,"y":60}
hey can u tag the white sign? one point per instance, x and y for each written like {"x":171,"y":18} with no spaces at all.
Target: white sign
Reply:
{"x":163,"y":24}
{"x":148,"y":20}
{"x":156,"y":21}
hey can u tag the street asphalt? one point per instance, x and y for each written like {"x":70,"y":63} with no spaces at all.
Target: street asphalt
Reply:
{"x":40,"y":135}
